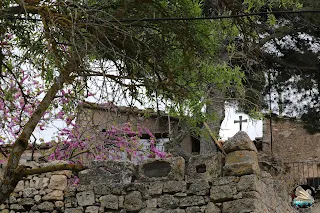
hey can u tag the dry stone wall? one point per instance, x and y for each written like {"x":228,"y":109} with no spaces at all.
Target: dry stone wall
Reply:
{"x":206,"y":184}
{"x":291,"y":141}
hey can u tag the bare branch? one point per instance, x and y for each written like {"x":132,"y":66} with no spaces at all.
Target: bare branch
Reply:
{"x":53,"y":168}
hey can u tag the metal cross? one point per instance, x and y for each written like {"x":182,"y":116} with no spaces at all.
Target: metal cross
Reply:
{"x":240,"y":121}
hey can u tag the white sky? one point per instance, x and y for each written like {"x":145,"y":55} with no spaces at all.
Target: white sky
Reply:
{"x":228,"y":128}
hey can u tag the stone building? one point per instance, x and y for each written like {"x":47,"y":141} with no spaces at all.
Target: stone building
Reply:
{"x":97,"y":118}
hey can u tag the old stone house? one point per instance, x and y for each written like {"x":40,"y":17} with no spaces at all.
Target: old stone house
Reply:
{"x":97,"y":118}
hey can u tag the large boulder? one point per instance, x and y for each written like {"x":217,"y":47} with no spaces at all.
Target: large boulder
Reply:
{"x":240,"y":163}
{"x":241,"y":158}
{"x":162,"y":169}
{"x":105,"y":172}
{"x":240,"y":141}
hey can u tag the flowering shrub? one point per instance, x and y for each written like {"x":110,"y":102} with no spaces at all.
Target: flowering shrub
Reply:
{"x":118,"y":143}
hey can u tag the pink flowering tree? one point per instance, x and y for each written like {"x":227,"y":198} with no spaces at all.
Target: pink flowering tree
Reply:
{"x":54,"y":54}
{"x":118,"y":143}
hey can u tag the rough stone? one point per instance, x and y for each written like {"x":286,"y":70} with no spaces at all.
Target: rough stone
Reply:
{"x":204,"y":167}
{"x":13,"y":199}
{"x":104,"y":172}
{"x":67,"y":173}
{"x":180,"y":194}
{"x":59,"y":204}
{"x":133,"y":201}
{"x":155,"y":188}
{"x":193,"y":209}
{"x":171,"y":169}
{"x":92,"y":209}
{"x":70,"y":192}
{"x":212,"y":208}
{"x":121,"y":201}
{"x":44,"y":183}
{"x":81,"y":188}
{"x":3,"y":206}
{"x":174,"y":186}
{"x":246,"y":193}
{"x":27,"y":201}
{"x":110,"y":201}
{"x":225,"y":180}
{"x":74,"y":210}
{"x":240,"y":163}
{"x":248,"y":183}
{"x":29,"y":192}
{"x":174,"y":211}
{"x":168,"y":201}
{"x":58,"y":182}
{"x":156,"y":169}
{"x":153,"y":210}
{"x":240,"y":141}
{"x":151,"y":203}
{"x":85,"y":198}
{"x":241,"y":206}
{"x":45,"y":206}
{"x":193,"y":200}
{"x":252,"y":194}
{"x":54,"y":195}
{"x":141,"y":187}
{"x":35,"y":183}
{"x":70,"y":202}
{"x":223,"y":193}
{"x":37,"y":198}
{"x":17,"y":207}
{"x":20,"y":186}
{"x":199,"y":187}
{"x":105,"y":189}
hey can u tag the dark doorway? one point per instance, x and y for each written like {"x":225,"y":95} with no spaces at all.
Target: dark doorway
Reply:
{"x":314,"y":182}
{"x":195,"y":145}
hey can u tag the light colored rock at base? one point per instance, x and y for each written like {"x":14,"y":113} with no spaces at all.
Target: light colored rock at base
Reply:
{"x":58,"y":182}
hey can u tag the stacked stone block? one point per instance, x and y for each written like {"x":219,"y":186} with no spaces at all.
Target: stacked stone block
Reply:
{"x":41,"y":193}
{"x":244,"y":187}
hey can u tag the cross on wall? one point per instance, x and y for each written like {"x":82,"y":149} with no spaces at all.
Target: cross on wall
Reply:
{"x":240,"y":121}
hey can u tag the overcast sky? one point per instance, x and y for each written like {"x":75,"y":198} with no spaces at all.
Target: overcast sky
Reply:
{"x":229,"y":128}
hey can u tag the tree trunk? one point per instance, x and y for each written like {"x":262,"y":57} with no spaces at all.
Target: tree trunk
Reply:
{"x":13,"y":172}
{"x":215,"y":108}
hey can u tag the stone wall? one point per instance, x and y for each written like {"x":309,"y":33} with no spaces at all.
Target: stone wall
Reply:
{"x":291,"y":142}
{"x":206,"y":184}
